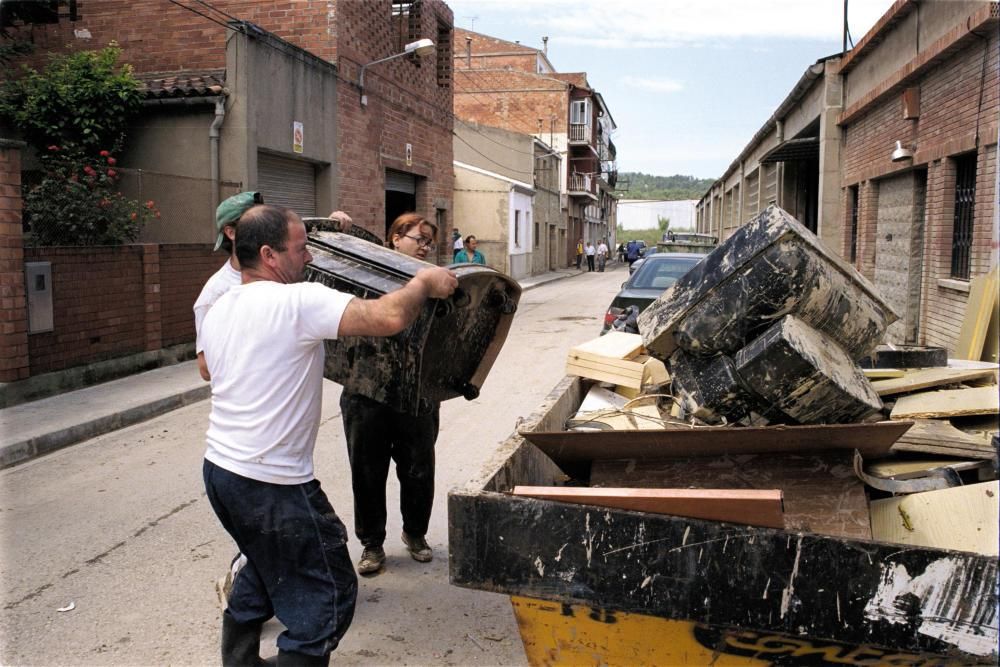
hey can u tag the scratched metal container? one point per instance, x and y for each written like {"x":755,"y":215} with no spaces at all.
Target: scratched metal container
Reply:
{"x":771,"y":267}
{"x":446,"y":352}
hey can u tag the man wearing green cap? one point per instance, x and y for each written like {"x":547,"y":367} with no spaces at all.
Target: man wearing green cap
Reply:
{"x":228,"y":275}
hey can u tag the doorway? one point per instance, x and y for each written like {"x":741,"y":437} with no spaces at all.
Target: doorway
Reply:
{"x":400,"y":195}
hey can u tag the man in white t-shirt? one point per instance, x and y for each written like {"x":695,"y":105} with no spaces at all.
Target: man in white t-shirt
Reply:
{"x":263,"y":346}
{"x":226,"y":216}
{"x":602,"y":254}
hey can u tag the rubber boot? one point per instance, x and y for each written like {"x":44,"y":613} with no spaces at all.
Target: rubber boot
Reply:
{"x":240,"y":643}
{"x":290,"y":659}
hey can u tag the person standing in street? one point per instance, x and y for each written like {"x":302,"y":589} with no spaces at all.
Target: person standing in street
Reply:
{"x":469,"y":254}
{"x":590,"y":256}
{"x":263,"y":346}
{"x":579,"y":253}
{"x":632,"y":252}
{"x":456,"y":244}
{"x":378,"y":435}
{"x":602,"y":255}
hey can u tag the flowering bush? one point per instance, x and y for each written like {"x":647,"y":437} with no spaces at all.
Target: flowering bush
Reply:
{"x":74,"y":114}
{"x":78,"y":203}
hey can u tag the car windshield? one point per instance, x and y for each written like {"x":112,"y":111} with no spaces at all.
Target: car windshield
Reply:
{"x":657,"y":273}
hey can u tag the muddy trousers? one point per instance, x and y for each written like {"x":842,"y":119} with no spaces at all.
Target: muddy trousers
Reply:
{"x":298,"y":567}
{"x":376,"y":435}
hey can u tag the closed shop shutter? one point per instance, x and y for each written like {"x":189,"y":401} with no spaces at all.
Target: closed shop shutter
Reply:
{"x":288,"y":183}
{"x":399,"y":181}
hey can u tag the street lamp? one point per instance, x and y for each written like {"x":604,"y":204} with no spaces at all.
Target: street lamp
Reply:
{"x":420,"y":48}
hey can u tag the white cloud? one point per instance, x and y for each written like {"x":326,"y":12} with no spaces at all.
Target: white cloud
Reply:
{"x":654,"y":85}
{"x":671,"y":23}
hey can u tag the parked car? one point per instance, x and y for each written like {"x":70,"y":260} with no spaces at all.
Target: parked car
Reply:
{"x":658,"y":272}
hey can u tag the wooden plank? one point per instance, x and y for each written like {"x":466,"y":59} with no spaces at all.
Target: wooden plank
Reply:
{"x":821,"y":493}
{"x":948,"y":403}
{"x":603,"y":373}
{"x":923,"y":378}
{"x":978,"y":311}
{"x":750,"y":507}
{"x":879,"y":373}
{"x":612,"y":345}
{"x":916,"y":468}
{"x":629,"y":369}
{"x":654,"y":373}
{"x":567,"y":447}
{"x":940,"y":438}
{"x":963,"y":518}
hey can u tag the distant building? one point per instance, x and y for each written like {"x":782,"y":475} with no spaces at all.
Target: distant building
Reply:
{"x":646,"y":213}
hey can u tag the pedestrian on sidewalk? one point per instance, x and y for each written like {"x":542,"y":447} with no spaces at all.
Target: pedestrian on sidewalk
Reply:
{"x":621,"y":253}
{"x":263,"y":345}
{"x":602,"y":255}
{"x":469,"y":254}
{"x":456,"y":244}
{"x":590,"y":256}
{"x":377,"y":435}
{"x":579,"y":253}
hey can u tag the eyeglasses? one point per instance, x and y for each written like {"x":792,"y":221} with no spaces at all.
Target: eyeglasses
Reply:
{"x":422,"y":241}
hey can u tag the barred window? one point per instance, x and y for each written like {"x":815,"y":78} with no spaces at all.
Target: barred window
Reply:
{"x":965,"y":206}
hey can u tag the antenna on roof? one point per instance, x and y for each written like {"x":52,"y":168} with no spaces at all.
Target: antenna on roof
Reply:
{"x":472,"y":22}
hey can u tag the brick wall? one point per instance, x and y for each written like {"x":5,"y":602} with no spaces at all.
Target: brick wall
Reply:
{"x":409,"y":102}
{"x":512,"y":100}
{"x":13,"y":306}
{"x":115,"y":301}
{"x":958,"y":96}
{"x":184,"y":268}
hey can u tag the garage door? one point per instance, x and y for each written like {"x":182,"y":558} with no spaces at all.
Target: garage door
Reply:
{"x":286,"y":182}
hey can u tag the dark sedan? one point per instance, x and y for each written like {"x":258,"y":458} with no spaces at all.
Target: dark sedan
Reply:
{"x":658,"y":272}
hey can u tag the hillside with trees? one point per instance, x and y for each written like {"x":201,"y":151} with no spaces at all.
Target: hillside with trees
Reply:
{"x":647,"y":186}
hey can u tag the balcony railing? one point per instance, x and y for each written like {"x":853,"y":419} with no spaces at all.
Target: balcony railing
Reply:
{"x":580,"y":133}
{"x":582,"y":184}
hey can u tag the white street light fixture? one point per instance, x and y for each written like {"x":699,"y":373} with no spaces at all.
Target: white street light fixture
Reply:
{"x":419,"y":48}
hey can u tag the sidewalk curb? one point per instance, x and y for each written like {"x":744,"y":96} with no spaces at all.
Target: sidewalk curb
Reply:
{"x":561,"y":276}
{"x":31,"y":448}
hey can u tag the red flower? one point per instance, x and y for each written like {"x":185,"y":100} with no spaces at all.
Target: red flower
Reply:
{"x":53,"y":147}
{"x":157,"y":214}
{"x":89,"y":171}
{"x":105,"y":153}
{"x":133,"y":216}
{"x":112,"y":173}
{"x":112,"y":161}
{"x":150,"y":204}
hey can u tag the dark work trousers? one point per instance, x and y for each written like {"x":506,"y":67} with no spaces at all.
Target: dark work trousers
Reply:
{"x":590,"y":262}
{"x":298,"y":567}
{"x":377,"y":434}
{"x":579,"y":258}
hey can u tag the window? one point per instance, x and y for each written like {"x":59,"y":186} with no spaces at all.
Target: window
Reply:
{"x":537,"y":234}
{"x":578,"y":112}
{"x":854,"y":222}
{"x":517,"y":229}
{"x":965,"y":204}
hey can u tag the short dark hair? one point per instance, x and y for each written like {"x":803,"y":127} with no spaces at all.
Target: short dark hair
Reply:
{"x":263,"y":225}
{"x":471,"y":237}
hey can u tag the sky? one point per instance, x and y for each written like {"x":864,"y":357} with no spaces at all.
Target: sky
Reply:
{"x":688,"y":82}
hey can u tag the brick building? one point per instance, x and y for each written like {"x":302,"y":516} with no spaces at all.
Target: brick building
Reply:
{"x":515,"y":87}
{"x":244,"y":94}
{"x":917,"y":217}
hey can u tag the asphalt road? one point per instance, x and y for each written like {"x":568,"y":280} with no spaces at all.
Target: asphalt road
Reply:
{"x":119,"y":527}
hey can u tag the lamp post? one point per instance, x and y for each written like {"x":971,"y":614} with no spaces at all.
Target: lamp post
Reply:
{"x":420,"y":48}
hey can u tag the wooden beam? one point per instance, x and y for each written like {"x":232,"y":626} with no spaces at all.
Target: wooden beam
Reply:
{"x":751,"y":507}
{"x":963,"y":518}
{"x":939,"y":437}
{"x":978,"y":311}
{"x":923,"y":378}
{"x":948,"y":403}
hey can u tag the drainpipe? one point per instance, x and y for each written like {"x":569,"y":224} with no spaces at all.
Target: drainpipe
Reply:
{"x":468,"y":53}
{"x":213,"y":140}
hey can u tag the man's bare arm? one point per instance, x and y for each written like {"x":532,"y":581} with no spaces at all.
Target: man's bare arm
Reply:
{"x":390,"y":314}
{"x":203,"y":367}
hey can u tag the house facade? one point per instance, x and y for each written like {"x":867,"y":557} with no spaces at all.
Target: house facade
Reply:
{"x":904,"y":127}
{"x":507,"y":195}
{"x":515,"y":87}
{"x":307,"y":141}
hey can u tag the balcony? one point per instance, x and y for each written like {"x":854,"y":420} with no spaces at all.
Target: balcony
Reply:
{"x":582,"y":185}
{"x":580,"y":133}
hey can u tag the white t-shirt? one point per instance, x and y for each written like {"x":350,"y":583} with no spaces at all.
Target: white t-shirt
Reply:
{"x":458,"y":244}
{"x":602,"y":249}
{"x":220,"y":282}
{"x":264,"y":349}
{"x":589,"y":250}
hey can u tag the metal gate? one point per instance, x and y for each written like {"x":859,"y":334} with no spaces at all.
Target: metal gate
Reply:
{"x":287,"y":182}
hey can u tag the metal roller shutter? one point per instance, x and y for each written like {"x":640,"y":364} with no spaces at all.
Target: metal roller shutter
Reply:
{"x":289,"y":183}
{"x":400,"y":181}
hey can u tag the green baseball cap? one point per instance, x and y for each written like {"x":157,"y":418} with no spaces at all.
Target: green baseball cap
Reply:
{"x":230,"y":211}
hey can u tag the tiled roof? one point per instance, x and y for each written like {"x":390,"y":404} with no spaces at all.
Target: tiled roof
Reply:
{"x":183,"y":84}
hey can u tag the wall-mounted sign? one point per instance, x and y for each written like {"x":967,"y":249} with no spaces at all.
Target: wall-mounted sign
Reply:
{"x":409,"y":155}
{"x":297,"y":136}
